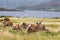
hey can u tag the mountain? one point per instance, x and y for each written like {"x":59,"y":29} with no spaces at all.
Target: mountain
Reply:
{"x":5,"y":9}
{"x":16,"y":3}
{"x":55,"y":1}
{"x":53,"y":5}
{"x":32,"y":7}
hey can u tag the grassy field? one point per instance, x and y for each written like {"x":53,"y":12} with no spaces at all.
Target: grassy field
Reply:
{"x":53,"y":24}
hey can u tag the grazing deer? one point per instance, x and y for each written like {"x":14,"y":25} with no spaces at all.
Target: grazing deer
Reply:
{"x":7,"y":22}
{"x":36,"y":27}
{"x":16,"y":27}
{"x":24,"y":25}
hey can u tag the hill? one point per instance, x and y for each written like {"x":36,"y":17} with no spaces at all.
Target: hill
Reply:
{"x":5,"y":9}
{"x":53,"y":5}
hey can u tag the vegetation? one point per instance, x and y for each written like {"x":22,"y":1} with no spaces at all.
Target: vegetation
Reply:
{"x":6,"y":9}
{"x":6,"y":33}
{"x":4,"y":16}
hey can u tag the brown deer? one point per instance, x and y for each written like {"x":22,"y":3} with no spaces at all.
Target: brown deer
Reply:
{"x":7,"y":22}
{"x":16,"y":27}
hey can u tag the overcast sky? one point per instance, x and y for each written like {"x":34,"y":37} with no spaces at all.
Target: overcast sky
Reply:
{"x":16,"y":3}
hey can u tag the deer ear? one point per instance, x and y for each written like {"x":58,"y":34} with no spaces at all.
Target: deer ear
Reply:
{"x":36,"y":23}
{"x":39,"y":22}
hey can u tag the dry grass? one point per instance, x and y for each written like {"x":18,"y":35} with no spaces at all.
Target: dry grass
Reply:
{"x":52,"y":24}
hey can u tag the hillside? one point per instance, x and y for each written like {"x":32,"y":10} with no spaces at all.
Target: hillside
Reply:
{"x":5,"y":9}
{"x":53,"y":5}
{"x":16,"y":3}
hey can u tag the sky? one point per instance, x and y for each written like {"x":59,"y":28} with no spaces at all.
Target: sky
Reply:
{"x":16,"y":3}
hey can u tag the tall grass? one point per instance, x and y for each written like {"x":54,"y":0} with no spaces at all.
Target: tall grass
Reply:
{"x":32,"y":36}
{"x":6,"y":33}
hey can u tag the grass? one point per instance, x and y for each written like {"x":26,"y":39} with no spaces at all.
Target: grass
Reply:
{"x":33,"y":36}
{"x":6,"y":33}
{"x":18,"y":35}
{"x":33,"y":20}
